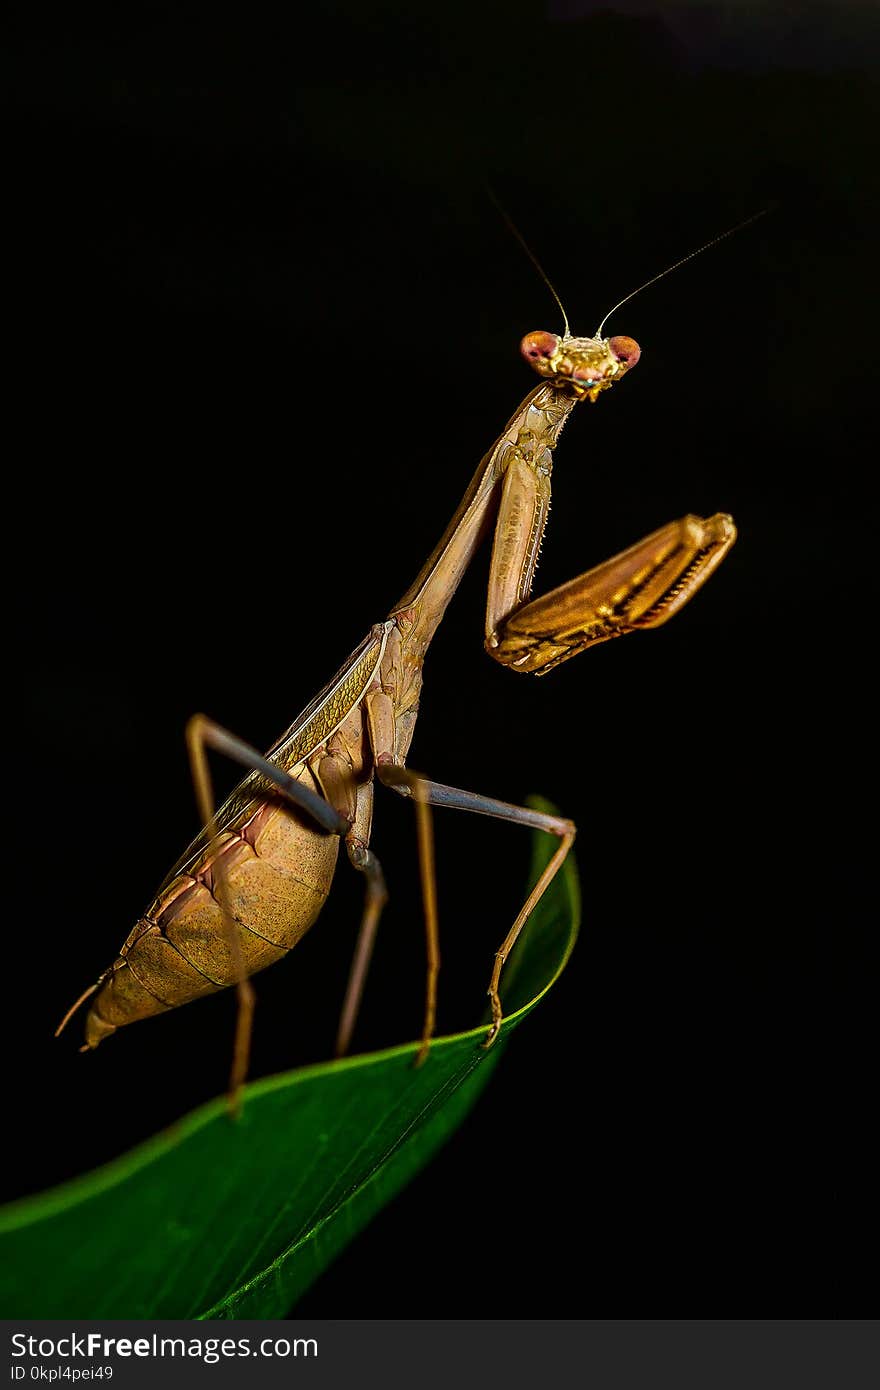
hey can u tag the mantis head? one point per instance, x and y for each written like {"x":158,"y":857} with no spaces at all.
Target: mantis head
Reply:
{"x":580,"y":366}
{"x":585,"y":366}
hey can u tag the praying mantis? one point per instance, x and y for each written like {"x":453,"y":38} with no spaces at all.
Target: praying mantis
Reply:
{"x":252,"y":883}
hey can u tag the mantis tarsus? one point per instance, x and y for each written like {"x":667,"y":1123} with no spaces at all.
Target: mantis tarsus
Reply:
{"x":254,"y":881}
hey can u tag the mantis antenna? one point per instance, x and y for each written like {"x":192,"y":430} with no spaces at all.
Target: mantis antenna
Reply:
{"x":532,"y":257}
{"x":689,"y":257}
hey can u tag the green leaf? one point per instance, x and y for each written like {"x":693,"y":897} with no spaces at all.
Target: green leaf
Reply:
{"x":213,"y":1218}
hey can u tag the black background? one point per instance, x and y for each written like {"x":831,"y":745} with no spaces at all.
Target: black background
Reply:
{"x":268,"y":325}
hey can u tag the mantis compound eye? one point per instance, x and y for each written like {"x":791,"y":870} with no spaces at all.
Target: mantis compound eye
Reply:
{"x":626,"y":350}
{"x":537,"y":347}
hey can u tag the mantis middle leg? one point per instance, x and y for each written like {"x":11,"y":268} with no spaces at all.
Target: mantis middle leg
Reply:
{"x":408,"y":783}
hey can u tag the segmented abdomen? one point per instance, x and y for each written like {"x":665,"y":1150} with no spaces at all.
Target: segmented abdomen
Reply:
{"x":278,"y":873}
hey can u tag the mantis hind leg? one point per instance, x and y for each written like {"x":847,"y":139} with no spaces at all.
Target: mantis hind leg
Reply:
{"x":642,"y":587}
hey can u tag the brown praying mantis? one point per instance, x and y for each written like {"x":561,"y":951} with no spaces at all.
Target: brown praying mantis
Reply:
{"x":253,"y":882}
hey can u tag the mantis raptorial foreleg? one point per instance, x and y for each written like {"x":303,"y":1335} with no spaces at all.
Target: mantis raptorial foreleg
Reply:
{"x":642,"y":587}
